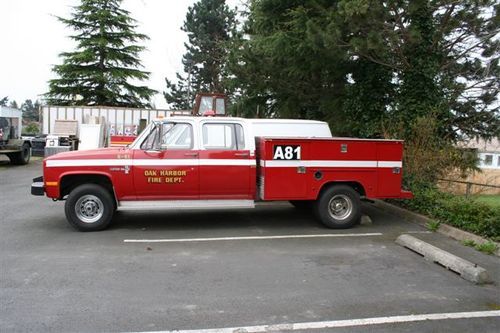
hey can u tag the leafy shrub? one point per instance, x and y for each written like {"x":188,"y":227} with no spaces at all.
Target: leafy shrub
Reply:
{"x":428,"y":156}
{"x":488,"y":247}
{"x":433,"y":225}
{"x":469,"y":242}
{"x":469,"y":215}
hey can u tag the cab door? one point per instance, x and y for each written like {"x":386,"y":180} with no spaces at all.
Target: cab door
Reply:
{"x":226,"y":164}
{"x":166,"y":165}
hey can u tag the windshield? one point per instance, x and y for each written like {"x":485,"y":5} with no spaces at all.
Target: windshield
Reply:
{"x":205,"y":104}
{"x":144,"y":133}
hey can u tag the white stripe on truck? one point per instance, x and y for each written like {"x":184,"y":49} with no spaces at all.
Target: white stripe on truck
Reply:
{"x":147,"y":162}
{"x":330,"y":164}
{"x":390,"y":164}
{"x":222,"y":162}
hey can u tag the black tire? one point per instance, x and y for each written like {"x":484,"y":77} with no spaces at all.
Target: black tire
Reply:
{"x":23,"y":157}
{"x":302,"y":204}
{"x":338,"y":207}
{"x":95,"y":206}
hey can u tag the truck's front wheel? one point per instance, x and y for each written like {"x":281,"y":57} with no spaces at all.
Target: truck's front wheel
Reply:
{"x":338,"y":207}
{"x":89,"y":207}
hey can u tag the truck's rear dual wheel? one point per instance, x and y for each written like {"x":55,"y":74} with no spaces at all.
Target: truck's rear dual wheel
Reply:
{"x":89,"y":207}
{"x":22,"y":157}
{"x":338,"y":207}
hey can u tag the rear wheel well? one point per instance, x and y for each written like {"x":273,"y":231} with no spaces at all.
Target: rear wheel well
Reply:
{"x":69,"y":182}
{"x":354,"y":185}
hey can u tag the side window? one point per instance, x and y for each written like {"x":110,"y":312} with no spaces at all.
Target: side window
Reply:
{"x":174,"y":136}
{"x":223,"y":136}
{"x":240,"y":136}
{"x":151,"y":142}
{"x":220,"y":106}
{"x":177,"y":136}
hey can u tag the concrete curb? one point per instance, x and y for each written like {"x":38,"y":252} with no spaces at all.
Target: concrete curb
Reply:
{"x":461,"y":235}
{"x":467,"y":270}
{"x":444,"y":228}
{"x":401,"y":212}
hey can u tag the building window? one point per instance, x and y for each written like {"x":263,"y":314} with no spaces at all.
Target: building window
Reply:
{"x":488,"y":160}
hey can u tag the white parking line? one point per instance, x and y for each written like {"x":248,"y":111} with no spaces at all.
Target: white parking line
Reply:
{"x":342,"y":323}
{"x":183,"y":240}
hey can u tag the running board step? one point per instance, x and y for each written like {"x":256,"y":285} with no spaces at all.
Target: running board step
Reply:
{"x":184,"y":204}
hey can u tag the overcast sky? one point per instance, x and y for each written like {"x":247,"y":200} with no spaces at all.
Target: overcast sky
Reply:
{"x":32,"y":38}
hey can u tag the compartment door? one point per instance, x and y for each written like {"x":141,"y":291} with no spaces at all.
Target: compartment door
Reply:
{"x":389,"y":169}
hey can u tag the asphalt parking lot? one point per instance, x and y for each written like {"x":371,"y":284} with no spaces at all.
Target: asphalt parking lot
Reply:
{"x":224,"y":270}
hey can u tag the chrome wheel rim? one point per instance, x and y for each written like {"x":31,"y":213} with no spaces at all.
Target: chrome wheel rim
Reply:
{"x":89,"y":208}
{"x":340,"y":207}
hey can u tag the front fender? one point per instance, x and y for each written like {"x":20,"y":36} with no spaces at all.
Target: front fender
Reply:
{"x":53,"y":181}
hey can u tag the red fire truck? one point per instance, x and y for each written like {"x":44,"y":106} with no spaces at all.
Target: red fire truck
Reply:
{"x":221,"y":163}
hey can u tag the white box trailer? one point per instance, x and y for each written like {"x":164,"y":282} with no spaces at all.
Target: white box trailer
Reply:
{"x":114,"y":116}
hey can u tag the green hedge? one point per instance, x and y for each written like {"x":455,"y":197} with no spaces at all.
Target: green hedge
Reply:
{"x":466,"y":214}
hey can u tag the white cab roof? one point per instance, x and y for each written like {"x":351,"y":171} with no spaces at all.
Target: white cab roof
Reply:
{"x":298,"y":128}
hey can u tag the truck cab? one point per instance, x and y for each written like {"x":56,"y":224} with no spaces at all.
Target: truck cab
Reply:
{"x":192,"y":158}
{"x":221,"y":163}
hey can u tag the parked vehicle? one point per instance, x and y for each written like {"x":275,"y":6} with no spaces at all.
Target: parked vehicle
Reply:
{"x":225,"y":163}
{"x":17,"y":149}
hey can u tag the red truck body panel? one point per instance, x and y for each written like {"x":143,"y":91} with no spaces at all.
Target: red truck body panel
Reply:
{"x":373,"y":166}
{"x":376,"y":165}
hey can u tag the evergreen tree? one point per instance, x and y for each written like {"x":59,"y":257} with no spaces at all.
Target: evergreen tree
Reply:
{"x":444,"y":56}
{"x":373,"y":67}
{"x":30,"y":110}
{"x":104,"y":67}
{"x":180,"y":95}
{"x":210,"y":25}
{"x":368,"y":99}
{"x":4,"y":101}
{"x":13,"y":104}
{"x":286,"y":67}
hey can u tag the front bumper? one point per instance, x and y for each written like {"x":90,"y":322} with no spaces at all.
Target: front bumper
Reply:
{"x":38,"y":187}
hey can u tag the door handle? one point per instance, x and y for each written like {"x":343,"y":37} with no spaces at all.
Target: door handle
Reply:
{"x":190,"y":154}
{"x":242,"y":154}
